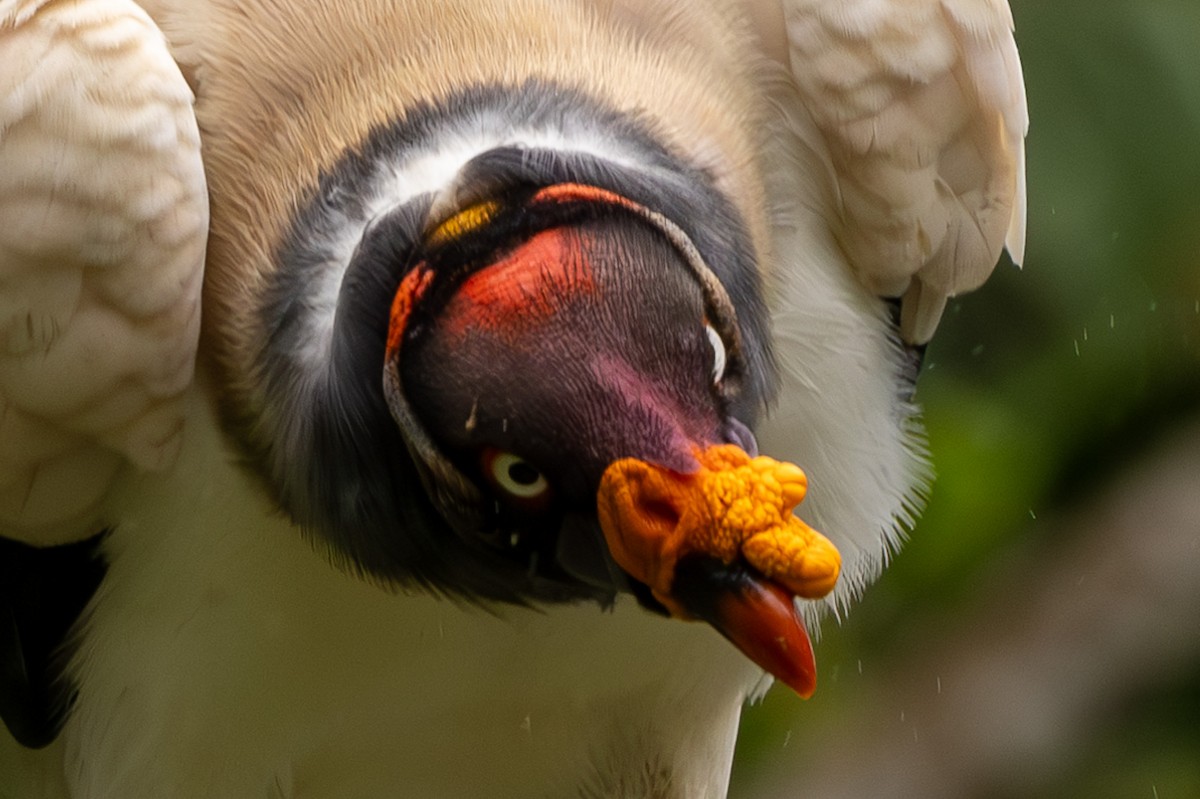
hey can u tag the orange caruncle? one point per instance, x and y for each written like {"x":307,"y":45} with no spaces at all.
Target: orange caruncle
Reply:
{"x":746,"y":509}
{"x":733,"y":508}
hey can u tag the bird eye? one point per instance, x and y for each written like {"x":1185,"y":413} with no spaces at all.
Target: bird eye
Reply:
{"x":515,"y":476}
{"x":718,"y":348}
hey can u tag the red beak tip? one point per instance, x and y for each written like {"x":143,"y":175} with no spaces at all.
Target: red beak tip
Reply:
{"x":763,"y":623}
{"x":804,"y":685}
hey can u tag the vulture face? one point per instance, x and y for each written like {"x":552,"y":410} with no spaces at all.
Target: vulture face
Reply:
{"x":578,"y":346}
{"x":535,"y":353}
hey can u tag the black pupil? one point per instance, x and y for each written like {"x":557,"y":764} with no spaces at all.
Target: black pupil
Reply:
{"x":522,"y":473}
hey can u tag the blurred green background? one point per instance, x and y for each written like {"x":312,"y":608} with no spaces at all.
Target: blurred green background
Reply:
{"x":1039,"y":391}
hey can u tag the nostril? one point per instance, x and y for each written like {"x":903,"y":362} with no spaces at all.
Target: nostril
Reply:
{"x":660,"y":513}
{"x":658,"y":499}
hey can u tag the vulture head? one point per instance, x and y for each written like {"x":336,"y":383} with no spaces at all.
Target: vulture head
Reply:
{"x":567,"y":373}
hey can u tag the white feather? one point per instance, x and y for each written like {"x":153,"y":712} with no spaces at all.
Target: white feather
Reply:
{"x":922,"y":106}
{"x":840,"y":413}
{"x":103,"y":218}
{"x":210,"y":591}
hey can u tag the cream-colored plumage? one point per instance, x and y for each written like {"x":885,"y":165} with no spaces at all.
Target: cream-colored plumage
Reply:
{"x":861,"y":143}
{"x":922,"y":104}
{"x":103,"y":218}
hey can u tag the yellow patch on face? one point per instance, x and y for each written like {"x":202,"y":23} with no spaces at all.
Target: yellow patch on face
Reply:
{"x":471,"y":218}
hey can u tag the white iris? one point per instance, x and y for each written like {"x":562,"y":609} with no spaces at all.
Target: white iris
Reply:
{"x":518,"y":476}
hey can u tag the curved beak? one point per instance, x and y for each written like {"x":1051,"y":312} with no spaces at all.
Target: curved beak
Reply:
{"x":723,"y":545}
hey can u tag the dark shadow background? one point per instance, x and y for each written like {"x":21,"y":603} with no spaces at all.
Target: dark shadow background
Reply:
{"x":1040,"y":633}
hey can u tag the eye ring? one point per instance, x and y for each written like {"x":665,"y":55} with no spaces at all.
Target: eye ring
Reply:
{"x":515,"y":476}
{"x":720,"y":359}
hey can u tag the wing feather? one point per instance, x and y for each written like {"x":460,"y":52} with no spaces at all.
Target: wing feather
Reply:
{"x":922,"y":105}
{"x":103,"y":220}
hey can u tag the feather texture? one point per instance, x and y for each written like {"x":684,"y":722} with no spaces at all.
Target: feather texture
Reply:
{"x":842,"y":410}
{"x":922,"y":105}
{"x":103,"y":218}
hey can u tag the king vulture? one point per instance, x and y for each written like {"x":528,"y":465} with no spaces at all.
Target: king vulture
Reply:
{"x":383,"y":383}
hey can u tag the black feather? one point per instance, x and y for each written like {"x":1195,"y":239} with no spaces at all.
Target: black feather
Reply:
{"x":43,"y":591}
